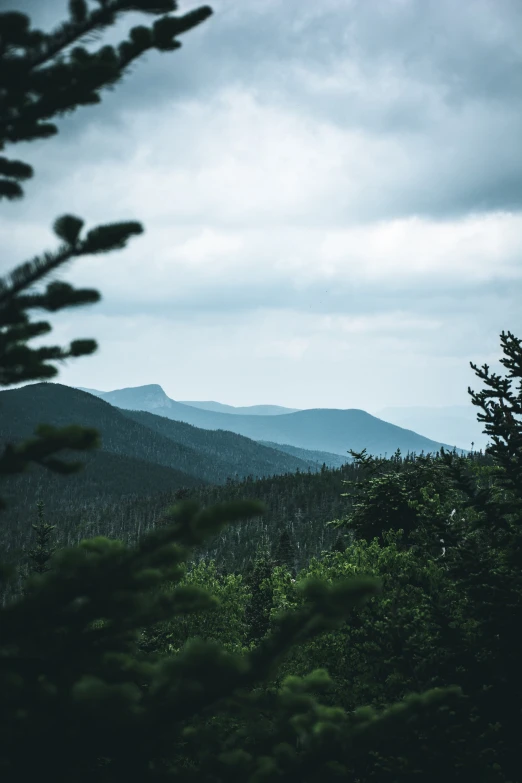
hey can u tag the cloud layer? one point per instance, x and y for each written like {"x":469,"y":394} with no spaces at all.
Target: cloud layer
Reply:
{"x":331,"y":196}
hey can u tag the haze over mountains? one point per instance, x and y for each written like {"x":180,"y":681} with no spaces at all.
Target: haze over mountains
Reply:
{"x":321,"y":429}
{"x":447,"y":424}
{"x":219,"y":407}
{"x":252,"y":410}
{"x":450,"y":423}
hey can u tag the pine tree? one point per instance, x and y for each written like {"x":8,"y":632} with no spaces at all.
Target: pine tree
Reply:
{"x":41,"y":554}
{"x":482,"y":555}
{"x":284,"y":553}
{"x":79,"y":700}
{"x":394,"y":497}
{"x":43,"y":551}
{"x":339,"y":544}
{"x":257,"y":613}
{"x":486,"y":563}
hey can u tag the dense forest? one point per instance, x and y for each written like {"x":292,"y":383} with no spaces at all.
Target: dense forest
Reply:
{"x":418,"y":524}
{"x":300,"y":503}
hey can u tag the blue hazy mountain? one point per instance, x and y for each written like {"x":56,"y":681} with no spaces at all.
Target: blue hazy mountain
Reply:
{"x":252,"y":410}
{"x":320,"y":457}
{"x":320,"y":429}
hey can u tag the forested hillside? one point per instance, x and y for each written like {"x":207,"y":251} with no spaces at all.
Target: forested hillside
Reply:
{"x":206,"y":455}
{"x":321,"y":457}
{"x":238,"y":456}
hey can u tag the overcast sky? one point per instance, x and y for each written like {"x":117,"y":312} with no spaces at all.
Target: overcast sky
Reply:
{"x":332,"y":200}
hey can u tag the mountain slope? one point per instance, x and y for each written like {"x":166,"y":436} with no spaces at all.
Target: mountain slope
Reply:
{"x":105,"y":477}
{"x":320,"y":429}
{"x":21,"y":410}
{"x":242,"y":456}
{"x":251,"y":410}
{"x":206,"y":456}
{"x":321,"y":457}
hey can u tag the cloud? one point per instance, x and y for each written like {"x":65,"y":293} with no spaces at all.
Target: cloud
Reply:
{"x":331,"y":195}
{"x":426,"y":93}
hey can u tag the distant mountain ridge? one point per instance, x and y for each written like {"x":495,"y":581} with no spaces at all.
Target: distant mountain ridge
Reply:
{"x":322,"y":457}
{"x":211,"y":405}
{"x":321,"y":429}
{"x":251,"y":410}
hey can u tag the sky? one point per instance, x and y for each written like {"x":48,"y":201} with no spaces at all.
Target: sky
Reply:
{"x":332,"y":200}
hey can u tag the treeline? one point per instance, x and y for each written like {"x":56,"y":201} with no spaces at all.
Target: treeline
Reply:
{"x":300,"y":503}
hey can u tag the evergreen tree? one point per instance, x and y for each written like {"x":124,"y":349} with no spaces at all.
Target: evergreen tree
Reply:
{"x":40,"y":555}
{"x":392,"y":497}
{"x":76,"y":691}
{"x":284,"y":553}
{"x":43,"y":551}
{"x":487,"y":561}
{"x":257,"y":613}
{"x":482,"y":554}
{"x":339,"y":545}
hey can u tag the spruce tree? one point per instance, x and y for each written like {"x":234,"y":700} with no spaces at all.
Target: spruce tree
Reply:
{"x":284,"y":553}
{"x":257,"y":612}
{"x":339,"y":544}
{"x":482,"y":557}
{"x":487,"y":562}
{"x":393,"y":497}
{"x":79,"y":700}
{"x":40,"y":555}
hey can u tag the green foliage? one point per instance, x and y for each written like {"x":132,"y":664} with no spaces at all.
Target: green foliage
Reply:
{"x":43,"y":551}
{"x":94,"y":679}
{"x":284,"y":553}
{"x":224,"y":622}
{"x":376,"y":640}
{"x":419,"y":497}
{"x":40,"y":555}
{"x":260,"y":601}
{"x":442,"y":618}
{"x":339,"y":545}
{"x":123,"y":497}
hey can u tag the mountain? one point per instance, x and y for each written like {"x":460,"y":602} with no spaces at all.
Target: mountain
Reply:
{"x":241,"y":456}
{"x":198,"y":456}
{"x":321,"y":457}
{"x":319,"y":429}
{"x":252,"y":410}
{"x":452,"y":423}
{"x":106,"y":477}
{"x":89,"y":391}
